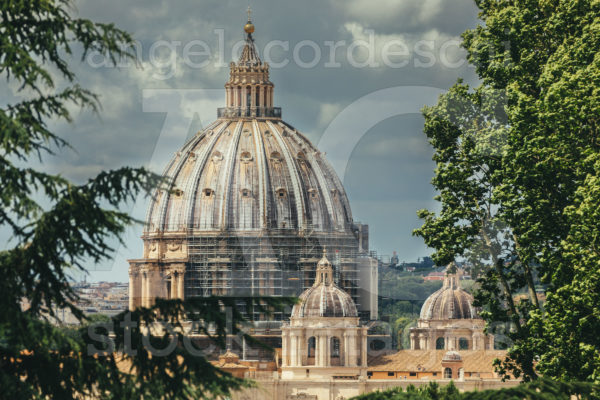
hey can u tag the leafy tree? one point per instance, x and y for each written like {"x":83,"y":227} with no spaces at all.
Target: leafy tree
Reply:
{"x":405,"y":286}
{"x":400,"y":328}
{"x":566,"y":335}
{"x":542,"y":389}
{"x":466,"y":129}
{"x":402,"y":295}
{"x":58,"y":227}
{"x":530,"y":188}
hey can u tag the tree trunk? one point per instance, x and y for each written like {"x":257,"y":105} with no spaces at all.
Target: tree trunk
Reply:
{"x":529,"y":278}
{"x":505,"y":285}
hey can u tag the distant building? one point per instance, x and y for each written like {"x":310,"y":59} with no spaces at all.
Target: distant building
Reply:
{"x":107,"y":298}
{"x":440,"y":276}
{"x":324,"y":351}
{"x":394,"y":260}
{"x":435,"y":276}
{"x":420,"y":365}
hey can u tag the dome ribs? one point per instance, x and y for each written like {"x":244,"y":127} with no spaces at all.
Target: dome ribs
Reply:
{"x":325,"y":301}
{"x":324,"y":298}
{"x":244,"y":199}
{"x":312,"y":200}
{"x":318,"y":213}
{"x":325,"y":193}
{"x":177,"y":162}
{"x":226,"y":176}
{"x":343,"y":212}
{"x":192,"y":186}
{"x":291,"y":168}
{"x":280,"y":210}
{"x":263,"y":179}
{"x":449,"y":302}
{"x":208,"y":182}
{"x":315,"y":218}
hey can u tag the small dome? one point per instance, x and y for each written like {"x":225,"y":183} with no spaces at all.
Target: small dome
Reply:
{"x":325,"y":301}
{"x":452,"y":356}
{"x":324,"y":298}
{"x":450,"y":302}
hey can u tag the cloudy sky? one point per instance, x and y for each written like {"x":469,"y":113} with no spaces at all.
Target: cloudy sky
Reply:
{"x":359,"y":104}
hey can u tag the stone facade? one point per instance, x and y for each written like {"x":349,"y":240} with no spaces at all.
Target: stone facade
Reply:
{"x":342,"y":389}
{"x":324,"y":337}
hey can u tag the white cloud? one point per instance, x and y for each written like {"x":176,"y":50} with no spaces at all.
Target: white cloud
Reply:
{"x":409,"y":15}
{"x":327,"y":112}
{"x":399,"y":50}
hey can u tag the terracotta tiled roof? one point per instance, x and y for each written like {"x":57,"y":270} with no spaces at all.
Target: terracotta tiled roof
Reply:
{"x":431,"y":360}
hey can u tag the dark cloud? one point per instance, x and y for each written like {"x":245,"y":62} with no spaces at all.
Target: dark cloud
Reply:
{"x":388,"y":175}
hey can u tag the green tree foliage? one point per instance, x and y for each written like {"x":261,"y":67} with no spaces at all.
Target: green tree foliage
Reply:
{"x":401,"y":296}
{"x":58,"y":227}
{"x":542,"y":389}
{"x":401,"y":332}
{"x":405,"y":286}
{"x":466,"y":129}
{"x":517,"y":167}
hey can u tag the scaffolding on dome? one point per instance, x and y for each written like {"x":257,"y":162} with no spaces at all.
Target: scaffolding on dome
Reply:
{"x":275,"y":264}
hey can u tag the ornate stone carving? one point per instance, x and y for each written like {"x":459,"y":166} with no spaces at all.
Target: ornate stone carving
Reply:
{"x":174,"y":246}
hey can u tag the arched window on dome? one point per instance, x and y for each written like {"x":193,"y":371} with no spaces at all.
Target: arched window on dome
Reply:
{"x":463,"y":344}
{"x":447,"y":373}
{"x":245,"y":156}
{"x":439,"y":343}
{"x":281,"y":193}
